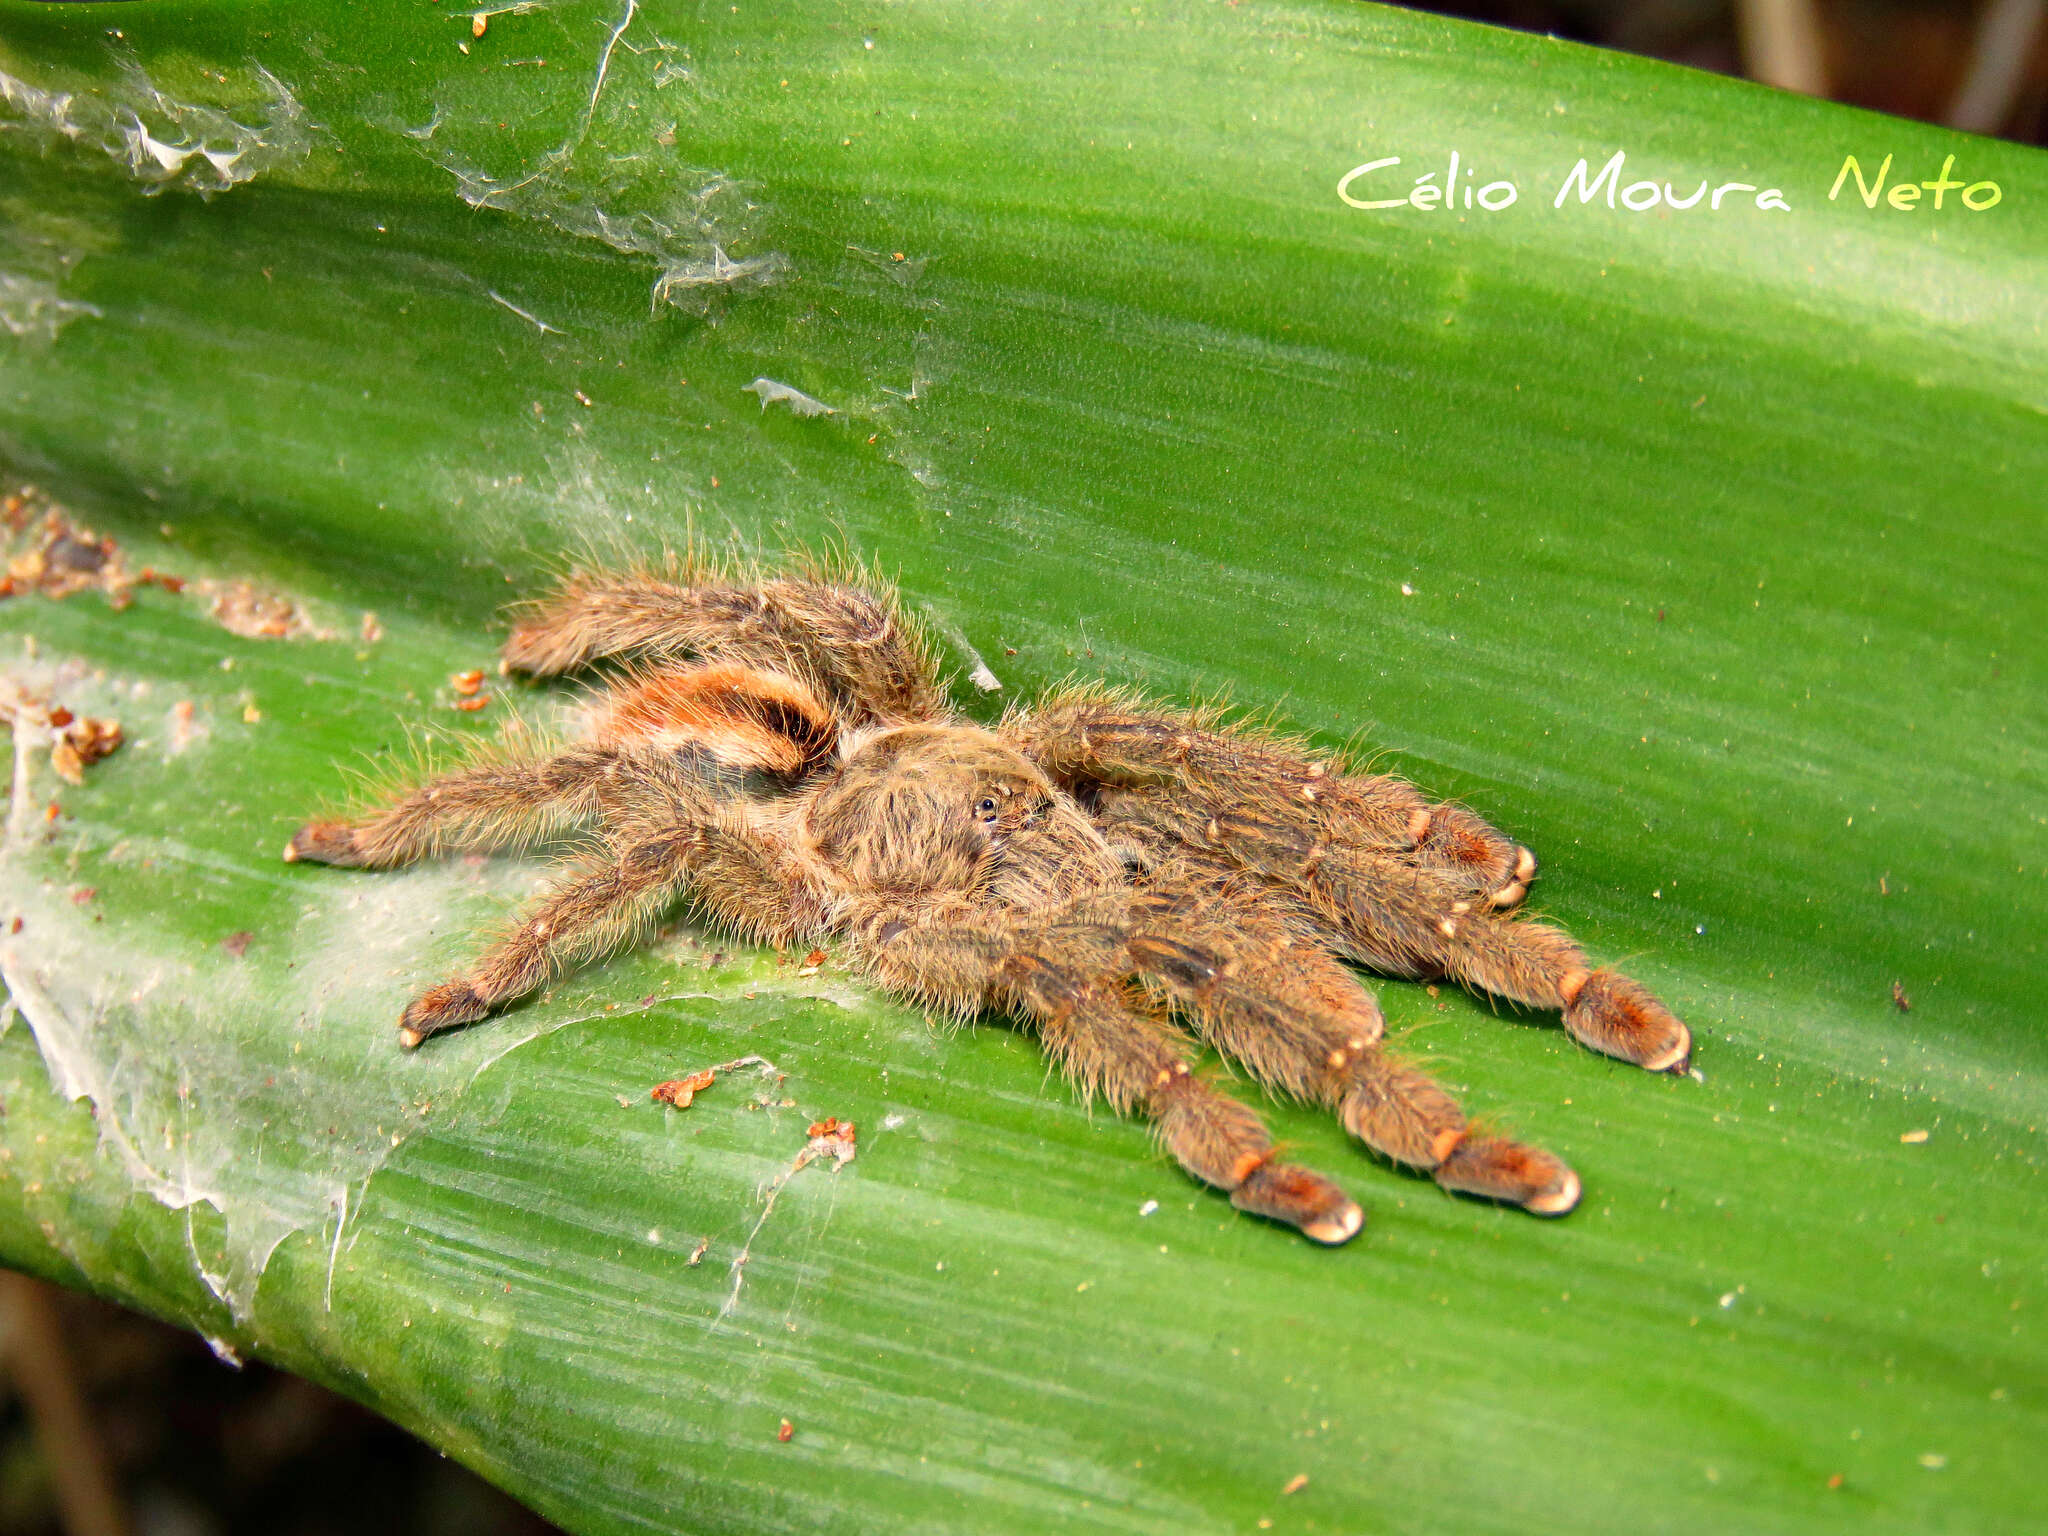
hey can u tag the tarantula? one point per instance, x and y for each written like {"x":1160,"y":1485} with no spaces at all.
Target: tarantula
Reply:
{"x":1128,"y":878}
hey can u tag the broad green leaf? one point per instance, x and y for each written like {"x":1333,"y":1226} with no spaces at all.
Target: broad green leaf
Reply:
{"x":1699,"y":548}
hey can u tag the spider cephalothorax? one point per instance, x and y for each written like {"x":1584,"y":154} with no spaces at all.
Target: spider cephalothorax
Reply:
{"x":1130,"y":879}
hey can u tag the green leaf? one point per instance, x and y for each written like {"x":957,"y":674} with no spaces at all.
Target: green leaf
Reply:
{"x":1698,"y":548}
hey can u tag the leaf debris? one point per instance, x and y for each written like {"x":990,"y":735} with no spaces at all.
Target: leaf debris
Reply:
{"x":75,"y":742}
{"x":830,"y":1137}
{"x":247,"y":610}
{"x":772,"y":392}
{"x":680,"y":1092}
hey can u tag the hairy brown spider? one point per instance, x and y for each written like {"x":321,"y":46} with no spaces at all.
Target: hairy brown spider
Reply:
{"x":1126,"y":877}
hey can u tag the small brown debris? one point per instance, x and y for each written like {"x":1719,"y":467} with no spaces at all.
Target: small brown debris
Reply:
{"x":52,"y":555}
{"x":478,"y":24}
{"x":582,"y":398}
{"x":1899,"y":999}
{"x":251,"y":715}
{"x":830,"y":1137}
{"x":784,"y":1431}
{"x":815,"y":958}
{"x":466,"y":683}
{"x":15,"y":926}
{"x":79,"y":743}
{"x":682,"y":1091}
{"x":1295,"y":1484}
{"x":242,"y":610}
{"x":83,"y":894}
{"x":237,"y":943}
{"x":370,"y":631}
{"x":1913,"y":1138}
{"x":471,"y":706}
{"x":697,"y":1253}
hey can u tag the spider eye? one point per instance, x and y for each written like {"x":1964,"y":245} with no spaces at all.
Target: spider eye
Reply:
{"x":987,"y":806}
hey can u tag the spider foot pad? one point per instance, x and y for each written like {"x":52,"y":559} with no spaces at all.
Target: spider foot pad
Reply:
{"x":1302,"y":1199}
{"x":439,"y":1008}
{"x":322,"y":842}
{"x":1619,"y":1017}
{"x":1499,"y":1169}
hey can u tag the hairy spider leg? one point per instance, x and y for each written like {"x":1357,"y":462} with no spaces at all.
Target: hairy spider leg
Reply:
{"x":593,"y":911}
{"x":745,"y":875}
{"x":657,"y":723}
{"x":1297,"y":1021}
{"x":847,"y":644}
{"x":1067,"y":975}
{"x":1088,"y":738}
{"x":485,"y":806}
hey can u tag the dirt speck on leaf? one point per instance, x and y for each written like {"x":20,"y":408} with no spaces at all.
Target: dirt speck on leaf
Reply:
{"x":249,"y":611}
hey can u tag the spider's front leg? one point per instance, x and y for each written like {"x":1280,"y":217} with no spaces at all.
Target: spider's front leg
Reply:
{"x":1412,"y":920}
{"x":485,"y":807}
{"x":743,"y":875}
{"x":1092,"y":741}
{"x":1066,"y":973}
{"x":1301,"y":1023}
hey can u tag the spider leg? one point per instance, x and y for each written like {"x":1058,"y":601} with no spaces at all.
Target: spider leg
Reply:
{"x":483,"y":807}
{"x":742,"y":875}
{"x":1403,"y":914}
{"x":1066,"y":974}
{"x":1412,"y":920}
{"x":848,"y":644}
{"x":1267,"y":1001}
{"x":591,"y":912}
{"x":1091,"y":739}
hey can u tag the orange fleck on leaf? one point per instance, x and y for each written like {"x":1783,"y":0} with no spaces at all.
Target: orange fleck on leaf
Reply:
{"x":784,"y":1431}
{"x":682,"y":1090}
{"x":471,"y":706}
{"x":1295,"y":1484}
{"x":466,"y":683}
